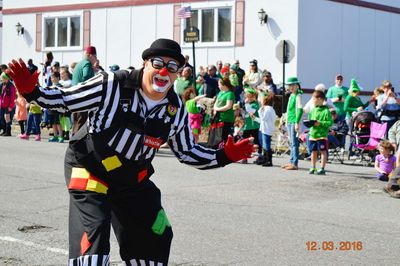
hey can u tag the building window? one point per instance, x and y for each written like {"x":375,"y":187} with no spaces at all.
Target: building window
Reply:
{"x":62,"y":32}
{"x":214,"y":24}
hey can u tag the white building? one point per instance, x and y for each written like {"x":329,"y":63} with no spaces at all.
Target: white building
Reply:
{"x":356,"y":38}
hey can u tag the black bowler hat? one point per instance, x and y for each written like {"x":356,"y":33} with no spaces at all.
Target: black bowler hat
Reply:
{"x":164,"y":47}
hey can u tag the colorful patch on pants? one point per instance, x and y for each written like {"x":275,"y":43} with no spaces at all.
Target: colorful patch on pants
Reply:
{"x":160,"y":223}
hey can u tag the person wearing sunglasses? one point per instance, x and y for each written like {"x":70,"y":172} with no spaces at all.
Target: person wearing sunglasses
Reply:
{"x":108,"y":164}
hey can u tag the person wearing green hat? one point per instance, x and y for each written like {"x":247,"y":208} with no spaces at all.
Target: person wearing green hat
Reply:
{"x":353,"y":102}
{"x":294,"y":113}
{"x":251,"y":122}
{"x":7,"y":101}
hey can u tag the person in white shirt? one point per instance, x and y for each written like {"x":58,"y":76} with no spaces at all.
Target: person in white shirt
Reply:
{"x":310,"y":105}
{"x":267,"y":117}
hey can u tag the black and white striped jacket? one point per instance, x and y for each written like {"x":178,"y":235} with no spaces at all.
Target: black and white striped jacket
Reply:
{"x":100,"y":96}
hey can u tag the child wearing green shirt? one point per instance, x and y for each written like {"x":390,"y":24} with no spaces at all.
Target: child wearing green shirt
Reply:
{"x":322,"y":118}
{"x":251,"y":122}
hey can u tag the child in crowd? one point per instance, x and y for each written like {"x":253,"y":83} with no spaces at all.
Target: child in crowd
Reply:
{"x":33,"y":123}
{"x":385,"y":162}
{"x":251,"y":123}
{"x":267,"y":127}
{"x":374,"y":100}
{"x":239,"y":122}
{"x":21,"y":112}
{"x":319,"y":131}
{"x":55,"y":116}
{"x":195,"y":117}
{"x":7,"y":103}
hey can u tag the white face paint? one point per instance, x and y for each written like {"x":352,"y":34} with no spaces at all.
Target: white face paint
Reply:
{"x":161,"y":83}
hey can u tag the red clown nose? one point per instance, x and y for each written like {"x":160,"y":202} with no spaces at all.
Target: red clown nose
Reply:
{"x":163,"y":71}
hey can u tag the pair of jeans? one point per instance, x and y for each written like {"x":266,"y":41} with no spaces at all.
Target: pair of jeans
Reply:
{"x":33,"y":124}
{"x":266,"y":141}
{"x":294,"y":144}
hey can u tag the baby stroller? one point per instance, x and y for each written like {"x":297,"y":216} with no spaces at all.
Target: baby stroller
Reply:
{"x":365,"y":136}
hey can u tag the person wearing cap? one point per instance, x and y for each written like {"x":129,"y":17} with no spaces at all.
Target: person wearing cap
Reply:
{"x":82,"y":72}
{"x":7,"y":103}
{"x":294,"y":113}
{"x":108,"y":163}
{"x":338,"y":93}
{"x":254,"y":76}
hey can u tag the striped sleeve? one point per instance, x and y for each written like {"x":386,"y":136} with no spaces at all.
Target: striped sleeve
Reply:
{"x":188,"y":152}
{"x":84,"y":96}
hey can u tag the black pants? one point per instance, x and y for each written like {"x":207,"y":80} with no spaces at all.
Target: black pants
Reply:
{"x":135,"y":213}
{"x":227,"y":130}
{"x":253,"y":133}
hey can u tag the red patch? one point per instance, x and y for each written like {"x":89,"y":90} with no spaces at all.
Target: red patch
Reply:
{"x":152,"y":142}
{"x":85,"y":244}
{"x":142,"y":174}
{"x":78,"y":183}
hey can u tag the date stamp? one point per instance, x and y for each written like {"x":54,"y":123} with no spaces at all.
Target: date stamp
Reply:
{"x":334,"y":245}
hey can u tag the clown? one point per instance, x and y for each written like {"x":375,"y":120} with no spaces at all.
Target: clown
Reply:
{"x":108,"y":164}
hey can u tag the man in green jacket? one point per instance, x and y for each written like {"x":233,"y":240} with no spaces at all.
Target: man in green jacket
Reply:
{"x":82,"y":72}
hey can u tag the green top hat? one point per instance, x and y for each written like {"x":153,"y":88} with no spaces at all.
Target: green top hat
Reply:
{"x":292,"y":80}
{"x":354,"y":86}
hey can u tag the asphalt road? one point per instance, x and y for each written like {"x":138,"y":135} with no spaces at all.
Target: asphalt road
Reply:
{"x":237,"y":215}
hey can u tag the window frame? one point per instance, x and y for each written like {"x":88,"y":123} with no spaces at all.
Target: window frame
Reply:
{"x":56,"y":16}
{"x":215,"y":6}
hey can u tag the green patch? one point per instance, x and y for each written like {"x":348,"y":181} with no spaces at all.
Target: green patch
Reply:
{"x":160,"y":223}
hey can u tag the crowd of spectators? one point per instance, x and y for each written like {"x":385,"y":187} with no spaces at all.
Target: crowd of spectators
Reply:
{"x":241,"y":101}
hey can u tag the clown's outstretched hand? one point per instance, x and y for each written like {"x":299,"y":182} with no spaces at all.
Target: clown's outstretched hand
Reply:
{"x":239,"y":150}
{"x":24,"y":81}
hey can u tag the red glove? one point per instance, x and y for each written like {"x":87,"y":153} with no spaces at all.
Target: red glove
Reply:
{"x":239,"y":150}
{"x":24,"y":81}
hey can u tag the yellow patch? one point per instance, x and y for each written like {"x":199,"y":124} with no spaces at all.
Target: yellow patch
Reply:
{"x":111,"y":163}
{"x":95,"y":186}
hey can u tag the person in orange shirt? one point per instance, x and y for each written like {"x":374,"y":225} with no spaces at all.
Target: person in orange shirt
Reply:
{"x":21,"y":112}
